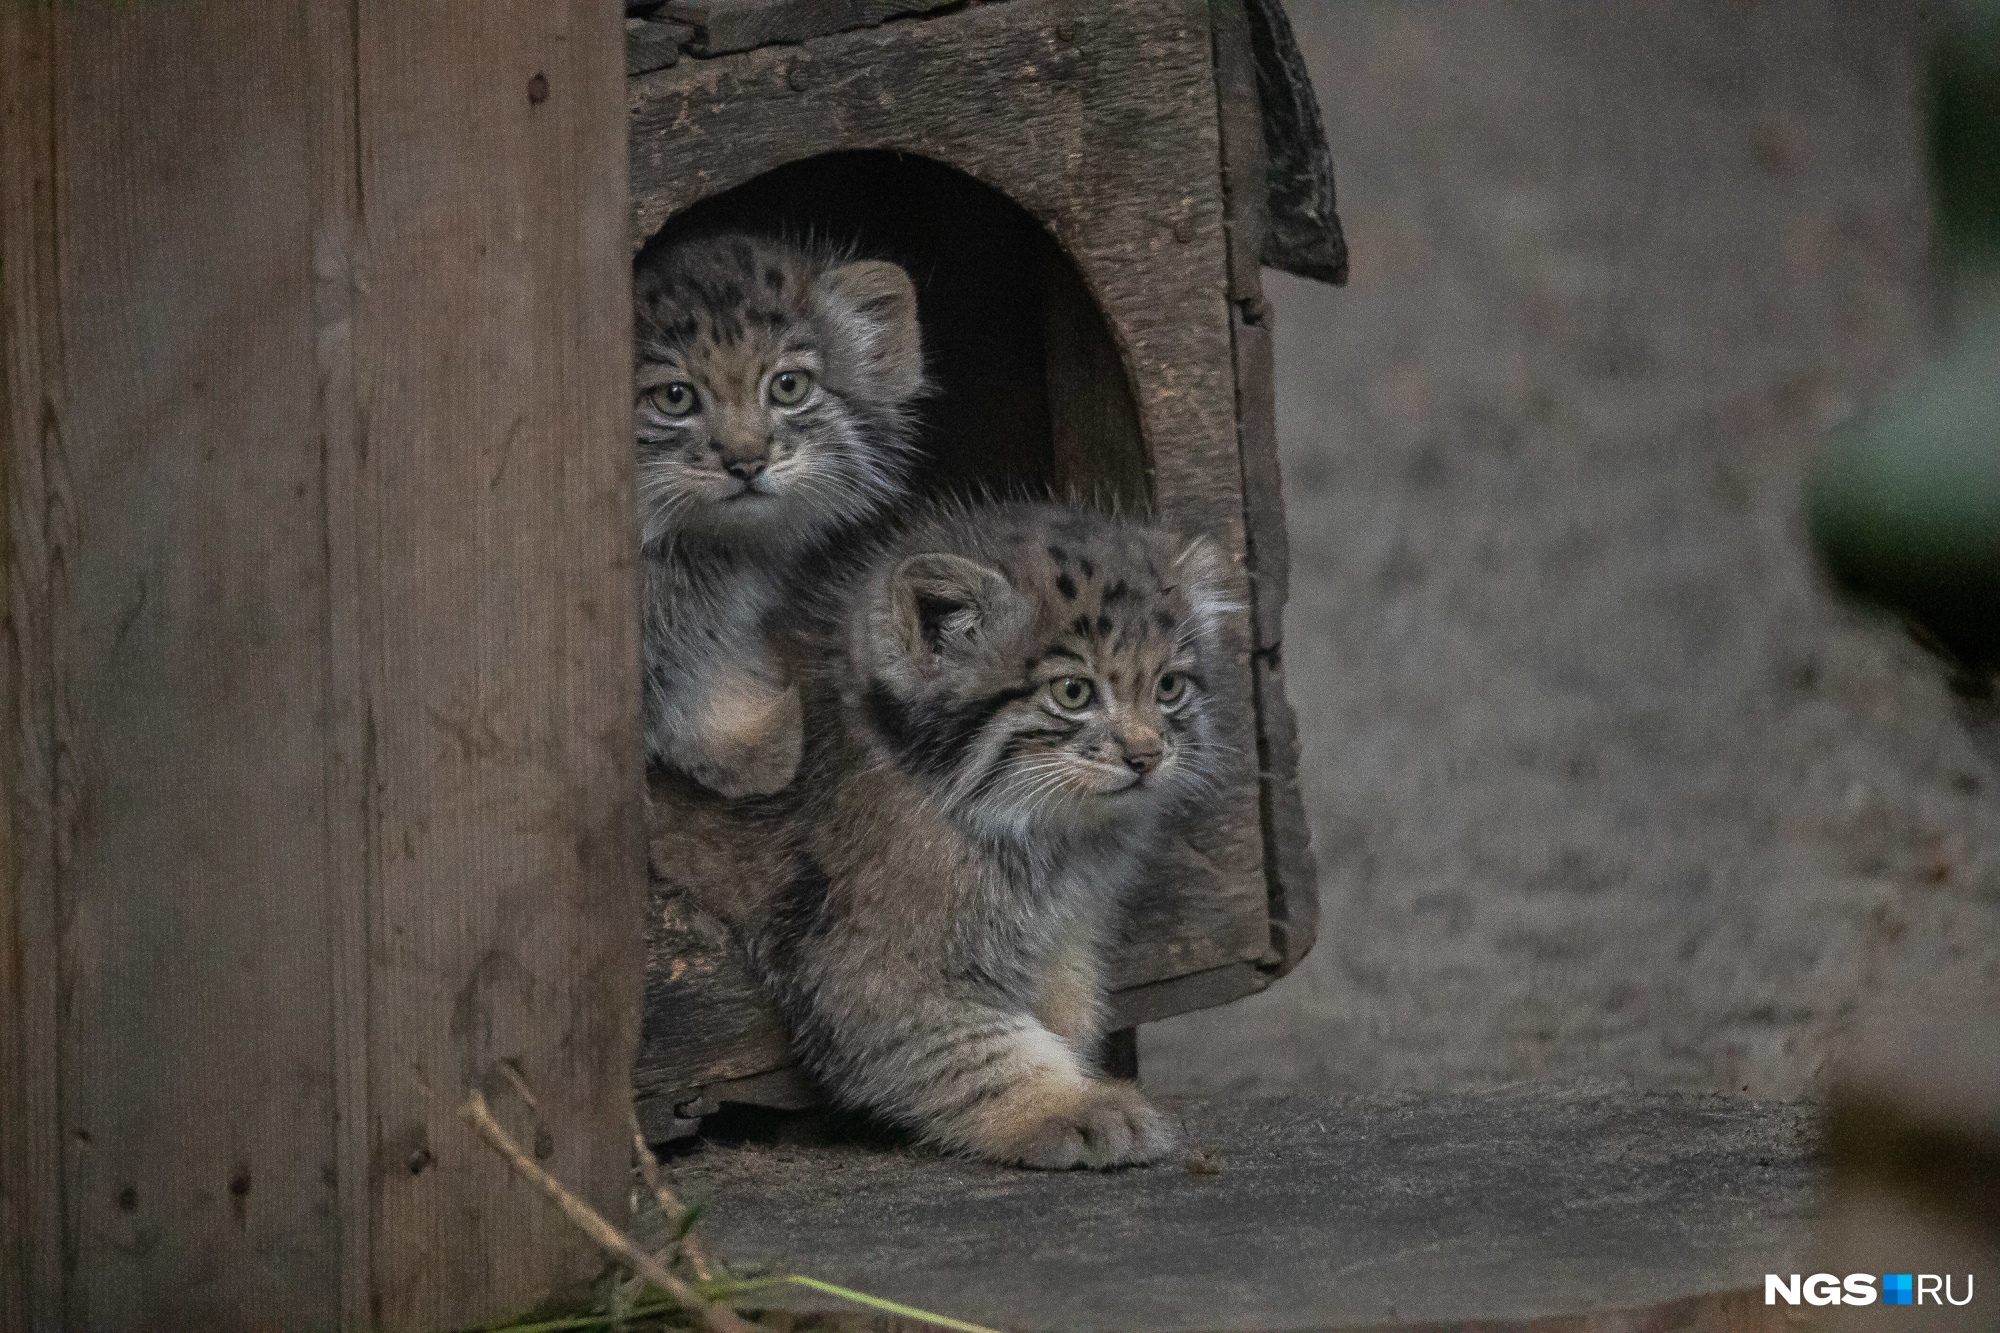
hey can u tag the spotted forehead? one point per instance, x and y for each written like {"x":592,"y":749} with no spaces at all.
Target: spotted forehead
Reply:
{"x":716,"y":297}
{"x":1100,"y":591}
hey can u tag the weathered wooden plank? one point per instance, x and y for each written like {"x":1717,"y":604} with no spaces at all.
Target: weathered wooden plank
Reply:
{"x":347,"y":859}
{"x":1304,"y":235}
{"x":1101,"y":123}
{"x":724,"y":1026}
{"x":491,"y":534}
{"x":1294,"y":871}
{"x":318,"y":662}
{"x":31,"y":1157}
{"x":709,"y":1022}
{"x":1240,"y":117}
{"x":1179,"y":995}
{"x":728,"y":26}
{"x":1291,"y":875}
{"x":184,"y":581}
{"x":650,"y":46}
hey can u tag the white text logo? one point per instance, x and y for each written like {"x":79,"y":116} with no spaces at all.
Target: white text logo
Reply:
{"x":1860,"y":1289}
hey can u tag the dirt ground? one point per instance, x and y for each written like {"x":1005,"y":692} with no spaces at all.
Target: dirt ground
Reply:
{"x":1601,"y":781}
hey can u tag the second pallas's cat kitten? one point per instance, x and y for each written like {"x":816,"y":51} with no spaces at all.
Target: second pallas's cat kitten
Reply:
{"x":772,"y":387}
{"x":1017,"y":697}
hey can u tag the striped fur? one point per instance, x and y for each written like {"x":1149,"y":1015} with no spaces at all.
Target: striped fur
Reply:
{"x":739,"y":481}
{"x":965,"y":827}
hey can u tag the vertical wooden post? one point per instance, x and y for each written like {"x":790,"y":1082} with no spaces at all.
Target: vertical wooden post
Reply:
{"x":1289,"y":867}
{"x":31,"y":1214}
{"x":317,"y":655}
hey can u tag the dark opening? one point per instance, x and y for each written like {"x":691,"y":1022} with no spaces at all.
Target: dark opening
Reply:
{"x":1030,"y":390}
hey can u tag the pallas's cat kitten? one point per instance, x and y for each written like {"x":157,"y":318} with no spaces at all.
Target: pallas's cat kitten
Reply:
{"x":1014,"y":700}
{"x":772,"y":391}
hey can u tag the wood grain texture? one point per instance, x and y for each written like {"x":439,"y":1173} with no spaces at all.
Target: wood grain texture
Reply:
{"x":348,"y":859}
{"x":708,"y":1021}
{"x":1178,"y":995}
{"x":650,"y":46}
{"x":1100,"y":121}
{"x":491,"y":535}
{"x":1303,"y":235}
{"x":197,"y":1111}
{"x":1291,"y":874}
{"x":319,"y":661}
{"x":723,"y":1026}
{"x":1294,"y":871}
{"x":740,"y":25}
{"x":34,"y":510}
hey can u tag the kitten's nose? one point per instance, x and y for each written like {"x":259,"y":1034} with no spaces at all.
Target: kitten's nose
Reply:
{"x":746,"y":469}
{"x":1142,"y":760}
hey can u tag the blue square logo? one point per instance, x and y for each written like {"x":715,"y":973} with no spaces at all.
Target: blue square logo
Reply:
{"x":1896,"y":1288}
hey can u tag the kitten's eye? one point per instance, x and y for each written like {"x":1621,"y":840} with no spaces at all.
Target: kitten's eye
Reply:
{"x":676,"y":399}
{"x":790,"y":387}
{"x":1171,"y":691}
{"x":1072,"y":693}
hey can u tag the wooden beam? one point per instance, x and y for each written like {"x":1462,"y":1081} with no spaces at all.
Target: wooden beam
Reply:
{"x":491,"y":535}
{"x":319,"y":750}
{"x":34,"y":515}
{"x":1291,"y":875}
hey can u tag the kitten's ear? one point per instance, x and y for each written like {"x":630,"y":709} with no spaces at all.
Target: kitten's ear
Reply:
{"x":1208,"y":577}
{"x":943,"y":602}
{"x":874,"y":306}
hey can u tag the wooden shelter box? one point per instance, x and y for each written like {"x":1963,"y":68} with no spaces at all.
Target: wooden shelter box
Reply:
{"x":1083,"y":193}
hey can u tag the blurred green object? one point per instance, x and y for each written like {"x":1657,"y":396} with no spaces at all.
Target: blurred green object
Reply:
{"x":1965,"y":129}
{"x":1904,"y":504}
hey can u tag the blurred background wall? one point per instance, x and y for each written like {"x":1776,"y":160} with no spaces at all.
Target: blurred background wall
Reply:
{"x":1602,"y":782}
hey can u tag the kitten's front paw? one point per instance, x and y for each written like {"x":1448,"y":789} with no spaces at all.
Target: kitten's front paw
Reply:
{"x":1101,"y":1124}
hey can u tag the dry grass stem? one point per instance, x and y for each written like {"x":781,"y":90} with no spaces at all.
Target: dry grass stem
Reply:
{"x":615,"y":1244}
{"x":519,"y":1083}
{"x":676,"y":1213}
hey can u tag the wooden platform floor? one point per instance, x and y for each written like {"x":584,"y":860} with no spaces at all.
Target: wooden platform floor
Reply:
{"x":1519,"y":1204}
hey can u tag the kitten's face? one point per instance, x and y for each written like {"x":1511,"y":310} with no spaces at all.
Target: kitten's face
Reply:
{"x":1059,"y":678}
{"x":771,"y":390}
